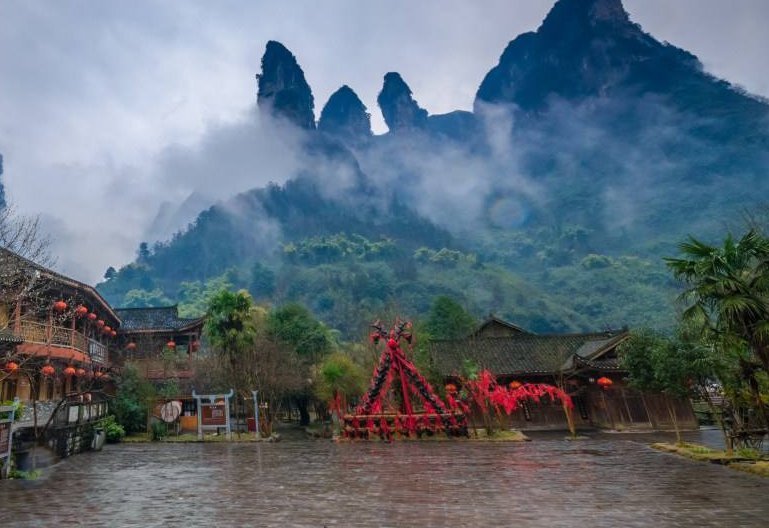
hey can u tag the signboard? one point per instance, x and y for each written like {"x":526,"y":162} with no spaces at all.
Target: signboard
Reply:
{"x":170,"y":411}
{"x":213,"y":414}
{"x":5,"y":438}
{"x":6,"y":423}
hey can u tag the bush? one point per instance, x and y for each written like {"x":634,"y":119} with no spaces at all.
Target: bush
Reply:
{"x":158,"y":431}
{"x":114,"y":431}
{"x":131,"y":403}
{"x":19,"y":408}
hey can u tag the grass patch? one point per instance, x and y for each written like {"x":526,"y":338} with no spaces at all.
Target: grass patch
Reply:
{"x":482,"y":436}
{"x":500,"y":436}
{"x":747,"y":460}
{"x":760,"y":467}
{"x":190,"y":438}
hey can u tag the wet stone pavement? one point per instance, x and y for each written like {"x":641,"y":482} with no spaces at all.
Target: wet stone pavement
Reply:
{"x":608,"y":480}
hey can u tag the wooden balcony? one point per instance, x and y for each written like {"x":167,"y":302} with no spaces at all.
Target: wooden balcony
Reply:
{"x":41,"y":339}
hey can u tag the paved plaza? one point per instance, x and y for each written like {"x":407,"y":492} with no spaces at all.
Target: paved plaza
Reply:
{"x":607,"y":480}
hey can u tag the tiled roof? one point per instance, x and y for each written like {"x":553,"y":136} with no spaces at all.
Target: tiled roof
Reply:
{"x":165,"y":318}
{"x":611,"y":363}
{"x":520,"y":353}
{"x":7,"y":256}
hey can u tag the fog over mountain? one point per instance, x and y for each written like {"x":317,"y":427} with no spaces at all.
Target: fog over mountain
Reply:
{"x":590,"y":143}
{"x":118,"y":112}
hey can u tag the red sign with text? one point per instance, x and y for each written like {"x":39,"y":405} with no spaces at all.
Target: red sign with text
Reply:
{"x":213,"y":414}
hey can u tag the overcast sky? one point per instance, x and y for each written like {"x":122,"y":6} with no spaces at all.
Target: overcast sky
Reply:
{"x":95,"y":94}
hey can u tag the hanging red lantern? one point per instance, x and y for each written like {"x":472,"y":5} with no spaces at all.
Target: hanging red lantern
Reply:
{"x":515,"y":385}
{"x":171,"y":344}
{"x":604,"y":382}
{"x":100,"y":323}
{"x":92,"y":316}
{"x":131,"y":346}
{"x":81,"y":310}
{"x":11,"y":367}
{"x":451,"y":388}
{"x":106,"y":329}
{"x":195,"y":345}
{"x":113,"y":333}
{"x":69,"y":371}
{"x":80,"y":372}
{"x":59,"y":306}
{"x":47,"y":370}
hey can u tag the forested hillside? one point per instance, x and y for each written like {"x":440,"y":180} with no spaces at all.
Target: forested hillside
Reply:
{"x":592,"y":149}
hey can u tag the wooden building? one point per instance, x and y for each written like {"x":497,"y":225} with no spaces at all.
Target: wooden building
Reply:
{"x":158,"y":341}
{"x":574,"y":362}
{"x":57,"y":334}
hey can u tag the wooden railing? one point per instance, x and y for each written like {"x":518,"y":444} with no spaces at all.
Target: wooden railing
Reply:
{"x":62,"y":337}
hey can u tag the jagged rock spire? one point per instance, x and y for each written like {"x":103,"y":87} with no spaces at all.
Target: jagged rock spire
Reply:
{"x":345,"y":116}
{"x":282,"y":88}
{"x":399,"y":108}
{"x":580,"y":12}
{"x":583,"y":48}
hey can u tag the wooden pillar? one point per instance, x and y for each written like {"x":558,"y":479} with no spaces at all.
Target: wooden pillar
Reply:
{"x":17,"y":318}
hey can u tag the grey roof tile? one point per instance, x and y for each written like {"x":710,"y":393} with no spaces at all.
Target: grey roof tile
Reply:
{"x":164,"y":318}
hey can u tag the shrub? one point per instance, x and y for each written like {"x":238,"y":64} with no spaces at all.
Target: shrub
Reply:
{"x":114,"y":431}
{"x":158,"y":431}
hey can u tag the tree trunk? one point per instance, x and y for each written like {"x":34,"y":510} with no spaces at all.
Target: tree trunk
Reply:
{"x":304,"y":413}
{"x":569,"y":420}
{"x":673,"y":417}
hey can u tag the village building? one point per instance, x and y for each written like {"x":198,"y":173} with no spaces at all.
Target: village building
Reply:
{"x":57,"y":335}
{"x":585,"y":365}
{"x":158,"y":342}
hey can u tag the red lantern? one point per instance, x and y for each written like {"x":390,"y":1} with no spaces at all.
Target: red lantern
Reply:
{"x":113,"y":334}
{"x":69,"y":371}
{"x":195,"y":345}
{"x":604,"y":382}
{"x":171,"y":344}
{"x":451,"y":388}
{"x":92,"y":316}
{"x":515,"y":385}
{"x":100,"y":323}
{"x":131,"y":346}
{"x":59,"y":306}
{"x":81,"y":310}
{"x":107,"y":329}
{"x":80,"y":372}
{"x":47,"y":370}
{"x":11,"y":367}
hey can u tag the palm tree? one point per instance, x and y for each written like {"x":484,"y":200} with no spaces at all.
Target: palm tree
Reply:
{"x":728,"y":294}
{"x":728,"y":289}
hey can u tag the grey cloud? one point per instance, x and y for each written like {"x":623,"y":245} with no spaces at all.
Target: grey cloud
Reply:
{"x":110,"y":108}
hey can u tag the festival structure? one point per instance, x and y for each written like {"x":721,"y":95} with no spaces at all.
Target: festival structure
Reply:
{"x":387,"y":410}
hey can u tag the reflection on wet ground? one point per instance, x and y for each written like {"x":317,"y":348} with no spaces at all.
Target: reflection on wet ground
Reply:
{"x":607,"y":480}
